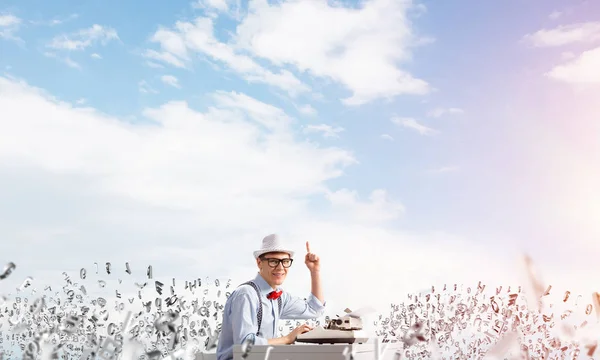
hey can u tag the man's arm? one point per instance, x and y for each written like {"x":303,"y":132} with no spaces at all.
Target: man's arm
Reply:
{"x":315,"y":285}
{"x":284,"y":340}
{"x":314,"y":306}
{"x":297,"y":308}
{"x":313,"y":263}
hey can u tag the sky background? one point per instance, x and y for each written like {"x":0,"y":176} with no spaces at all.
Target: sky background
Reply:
{"x":412,"y":143}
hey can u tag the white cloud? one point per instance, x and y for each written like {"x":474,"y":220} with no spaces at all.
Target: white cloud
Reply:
{"x":9,"y":25}
{"x":83,"y":187}
{"x":368,"y":65}
{"x":585,"y":69}
{"x":96,"y":56}
{"x":172,"y":43}
{"x":9,"y":20}
{"x":164,"y":57}
{"x":555,"y":15}
{"x":307,"y":109}
{"x":439,"y":112}
{"x":84,"y":38}
{"x":378,"y":209}
{"x":154,"y":65}
{"x":268,"y":116}
{"x":218,"y":5}
{"x":361,"y":52}
{"x":565,"y":35}
{"x":71,"y":63}
{"x":145,"y":88}
{"x":256,"y":135}
{"x":170,"y":80}
{"x":186,"y":37}
{"x":54,"y":22}
{"x":387,"y":137}
{"x":326,"y":130}
{"x":413,"y":124}
{"x":64,"y":59}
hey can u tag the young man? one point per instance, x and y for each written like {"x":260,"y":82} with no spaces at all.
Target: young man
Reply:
{"x":255,"y":308}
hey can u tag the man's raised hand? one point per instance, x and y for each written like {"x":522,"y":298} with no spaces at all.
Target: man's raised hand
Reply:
{"x":311,"y":260}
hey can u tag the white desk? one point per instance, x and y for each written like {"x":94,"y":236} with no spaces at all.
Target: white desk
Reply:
{"x":301,"y":351}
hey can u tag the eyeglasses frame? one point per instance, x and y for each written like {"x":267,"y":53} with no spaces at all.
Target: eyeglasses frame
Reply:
{"x":279,"y":261}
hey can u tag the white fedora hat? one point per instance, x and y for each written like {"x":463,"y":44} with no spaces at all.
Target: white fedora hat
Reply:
{"x":272,"y":243}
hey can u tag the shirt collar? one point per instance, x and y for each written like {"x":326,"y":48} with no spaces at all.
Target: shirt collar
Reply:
{"x":262,"y":284}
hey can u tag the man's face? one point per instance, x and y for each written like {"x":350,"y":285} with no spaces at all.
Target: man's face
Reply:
{"x":274,"y":267}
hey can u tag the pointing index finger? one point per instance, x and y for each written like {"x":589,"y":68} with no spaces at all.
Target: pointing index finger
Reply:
{"x":307,"y":247}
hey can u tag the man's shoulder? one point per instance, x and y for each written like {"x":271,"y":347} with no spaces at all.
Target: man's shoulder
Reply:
{"x":242,"y":290}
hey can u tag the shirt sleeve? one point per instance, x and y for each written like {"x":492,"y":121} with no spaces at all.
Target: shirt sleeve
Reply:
{"x":243,"y":319}
{"x":298,"y":308}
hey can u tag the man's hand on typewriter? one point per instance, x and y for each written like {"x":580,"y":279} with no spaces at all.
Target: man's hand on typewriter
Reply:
{"x":291,"y":337}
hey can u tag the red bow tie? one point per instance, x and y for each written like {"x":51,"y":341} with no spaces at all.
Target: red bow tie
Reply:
{"x":273,"y":295}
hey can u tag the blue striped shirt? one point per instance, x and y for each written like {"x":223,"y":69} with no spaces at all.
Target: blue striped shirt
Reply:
{"x":240,"y":315}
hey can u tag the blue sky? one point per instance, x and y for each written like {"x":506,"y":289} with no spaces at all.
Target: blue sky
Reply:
{"x":510,"y":169}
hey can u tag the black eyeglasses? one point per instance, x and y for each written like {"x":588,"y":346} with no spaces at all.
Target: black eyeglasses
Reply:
{"x":275,"y":262}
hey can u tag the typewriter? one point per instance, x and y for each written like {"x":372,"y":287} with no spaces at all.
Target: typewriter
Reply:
{"x":345,"y":329}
